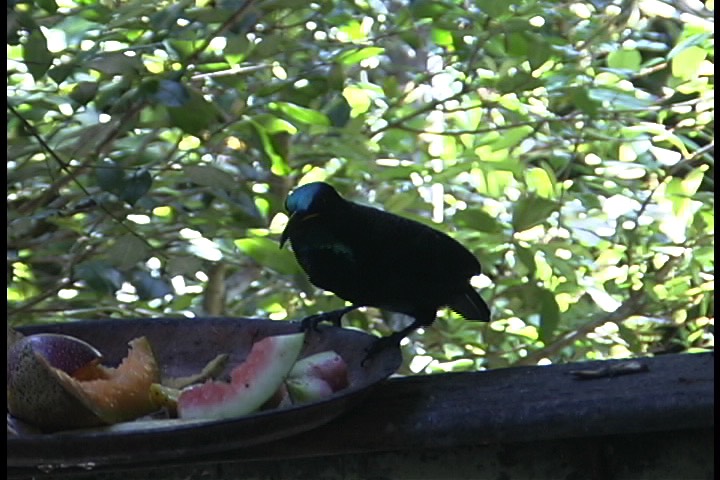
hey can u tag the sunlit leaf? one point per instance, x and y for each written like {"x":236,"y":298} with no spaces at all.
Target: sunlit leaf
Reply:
{"x":278,"y":162}
{"x":687,"y":62}
{"x":540,"y":182}
{"x":628,"y":59}
{"x":268,"y":254}
{"x":301,"y":114}
{"x":510,"y":138}
{"x":691,"y":41}
{"x":356,"y":56}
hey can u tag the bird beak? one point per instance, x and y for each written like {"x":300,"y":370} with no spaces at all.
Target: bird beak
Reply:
{"x":286,"y":233}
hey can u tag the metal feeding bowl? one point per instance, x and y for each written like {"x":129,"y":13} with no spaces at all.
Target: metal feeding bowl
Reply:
{"x":182,"y":347}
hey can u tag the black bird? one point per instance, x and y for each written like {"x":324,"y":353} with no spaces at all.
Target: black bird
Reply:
{"x":373,"y":258}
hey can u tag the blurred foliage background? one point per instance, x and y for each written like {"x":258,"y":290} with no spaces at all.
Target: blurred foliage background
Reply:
{"x":569,"y":145}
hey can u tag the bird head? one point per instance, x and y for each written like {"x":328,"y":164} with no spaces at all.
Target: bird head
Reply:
{"x":307,"y":201}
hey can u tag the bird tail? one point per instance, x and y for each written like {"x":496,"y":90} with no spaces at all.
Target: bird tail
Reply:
{"x":470,"y":305}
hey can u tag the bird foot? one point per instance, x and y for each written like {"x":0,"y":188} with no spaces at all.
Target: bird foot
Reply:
{"x":334,"y":318}
{"x":382,"y":343}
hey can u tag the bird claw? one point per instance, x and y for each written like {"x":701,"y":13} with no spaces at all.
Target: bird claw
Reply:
{"x":334,"y":318}
{"x":379,"y":345}
{"x":312,"y":322}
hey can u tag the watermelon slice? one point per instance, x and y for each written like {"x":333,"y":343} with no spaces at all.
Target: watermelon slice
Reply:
{"x":252,"y":382}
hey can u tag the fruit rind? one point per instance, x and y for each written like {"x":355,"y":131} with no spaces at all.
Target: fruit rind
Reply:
{"x":252,"y":383}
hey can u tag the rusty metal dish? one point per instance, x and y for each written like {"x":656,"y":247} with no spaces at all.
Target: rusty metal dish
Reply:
{"x":182,"y":347}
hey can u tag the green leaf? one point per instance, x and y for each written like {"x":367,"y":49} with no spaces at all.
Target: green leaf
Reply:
{"x":209,"y":176}
{"x":442,"y":37}
{"x":518,"y":82}
{"x":692,"y":181}
{"x":693,"y":40}
{"x":581,"y":98}
{"x":686,"y":64}
{"x":100,"y":276}
{"x":274,"y":125}
{"x":339,"y":112}
{"x":478,"y":219}
{"x":183,"y":265}
{"x":84,"y":92}
{"x":539,"y":53}
{"x":237,"y":49}
{"x":512,"y":137}
{"x":279,"y":165}
{"x":549,"y":314}
{"x":171,"y":93}
{"x":127,"y":251}
{"x":36,"y":54}
{"x":539,"y":181}
{"x":195,"y":116}
{"x":183,"y":48}
{"x":352,"y":57}
{"x":47,"y":5}
{"x":518,"y":45}
{"x":268,"y":254}
{"x":626,"y":59}
{"x":619,"y":99}
{"x":527,"y":258}
{"x":301,"y":114}
{"x":494,"y":8}
{"x":427,"y":9}
{"x":60,"y":72}
{"x":110,"y":177}
{"x":531,"y":210}
{"x":149,"y":287}
{"x":135,"y":186}
{"x":115,"y":63}
{"x":680,"y":191}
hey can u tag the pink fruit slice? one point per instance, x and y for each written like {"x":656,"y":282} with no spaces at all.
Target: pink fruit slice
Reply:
{"x":252,"y":382}
{"x":316,"y":377}
{"x":327,"y":365}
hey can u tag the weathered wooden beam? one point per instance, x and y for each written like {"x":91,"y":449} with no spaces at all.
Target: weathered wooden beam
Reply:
{"x":524,"y":404}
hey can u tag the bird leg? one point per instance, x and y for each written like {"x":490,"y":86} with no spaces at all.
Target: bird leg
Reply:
{"x":392,"y":340}
{"x":334,"y":317}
